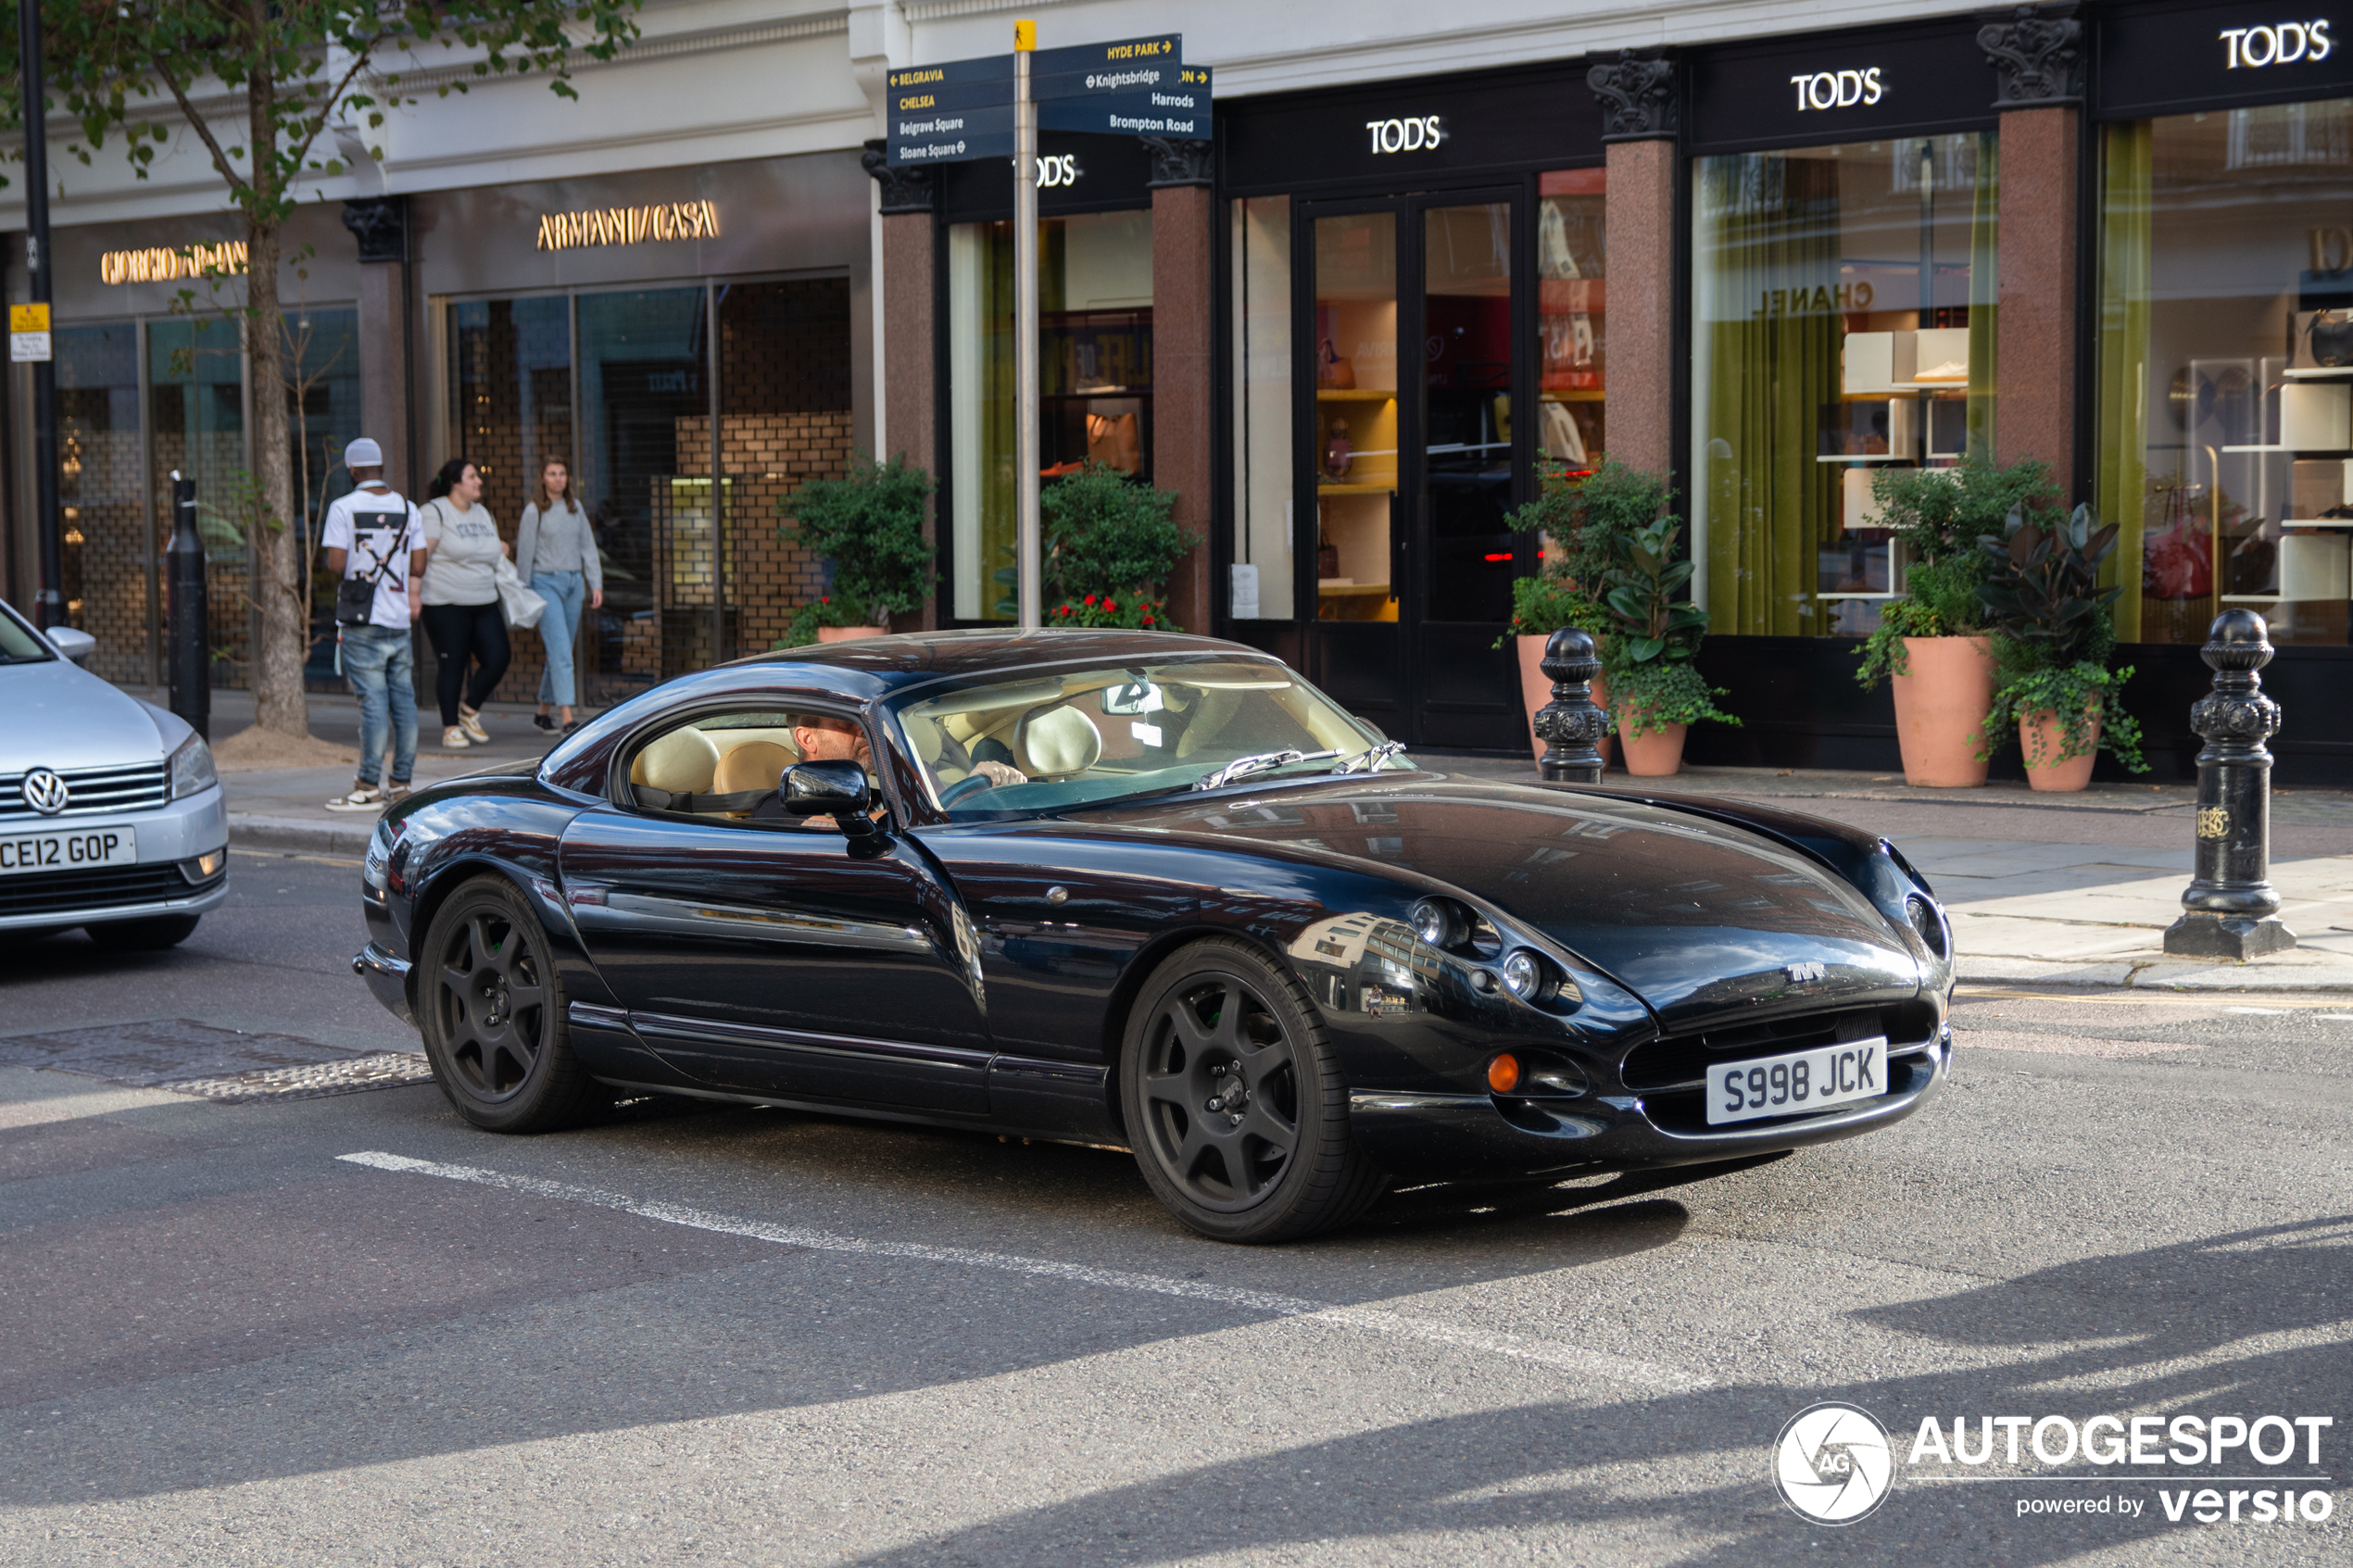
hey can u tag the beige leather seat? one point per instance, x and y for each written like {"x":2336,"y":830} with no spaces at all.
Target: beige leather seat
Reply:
{"x":683,"y":762}
{"x":755,"y":764}
{"x":1056,"y":744}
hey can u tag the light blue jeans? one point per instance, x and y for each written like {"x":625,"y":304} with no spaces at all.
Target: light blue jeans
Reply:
{"x":381,"y":665}
{"x":560,"y":629}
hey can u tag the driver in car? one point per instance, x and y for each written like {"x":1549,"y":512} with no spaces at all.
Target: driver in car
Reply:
{"x":824,"y":739}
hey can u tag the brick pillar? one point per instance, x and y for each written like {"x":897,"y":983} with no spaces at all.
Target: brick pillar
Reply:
{"x":1183,"y":442}
{"x":386,"y":397}
{"x":2037,"y":56}
{"x":910,"y":393}
{"x":1636,"y":94}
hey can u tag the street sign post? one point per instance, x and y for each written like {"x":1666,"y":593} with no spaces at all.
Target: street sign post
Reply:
{"x":28,"y":334}
{"x":1029,"y":561}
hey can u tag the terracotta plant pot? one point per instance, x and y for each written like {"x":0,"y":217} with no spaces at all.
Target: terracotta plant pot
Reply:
{"x":2038,"y":735}
{"x":1536,"y":691}
{"x":1656,"y":754}
{"x":849,"y":634}
{"x":1941,"y":708}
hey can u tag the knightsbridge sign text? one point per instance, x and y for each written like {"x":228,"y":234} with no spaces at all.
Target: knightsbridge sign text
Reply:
{"x":628,"y":225}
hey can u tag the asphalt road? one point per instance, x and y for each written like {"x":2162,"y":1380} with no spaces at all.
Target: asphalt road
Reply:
{"x":696,"y":1335}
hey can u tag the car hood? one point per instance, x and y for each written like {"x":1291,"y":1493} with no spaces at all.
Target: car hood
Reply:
{"x":57,"y":715}
{"x":1698,"y":917}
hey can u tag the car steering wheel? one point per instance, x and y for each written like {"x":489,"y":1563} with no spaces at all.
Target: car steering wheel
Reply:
{"x":964,"y":787}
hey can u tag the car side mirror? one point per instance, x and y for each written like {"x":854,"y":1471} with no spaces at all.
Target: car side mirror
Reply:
{"x":826,"y":789}
{"x":76,"y":645}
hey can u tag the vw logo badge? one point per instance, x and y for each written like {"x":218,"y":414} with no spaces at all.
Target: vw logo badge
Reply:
{"x":1832,"y":1463}
{"x":44,"y":792}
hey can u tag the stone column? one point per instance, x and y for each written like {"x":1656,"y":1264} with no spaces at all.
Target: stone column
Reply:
{"x":387,"y":403}
{"x":2038,"y":60}
{"x":910,"y":393}
{"x":1183,"y":441}
{"x":1639,"y":129}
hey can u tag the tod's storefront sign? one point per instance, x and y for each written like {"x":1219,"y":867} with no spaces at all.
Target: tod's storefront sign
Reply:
{"x":1839,"y":87}
{"x":2161,"y":60}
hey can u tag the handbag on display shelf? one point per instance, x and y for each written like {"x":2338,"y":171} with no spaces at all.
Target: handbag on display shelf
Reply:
{"x":521,"y":603}
{"x":1333,"y":371}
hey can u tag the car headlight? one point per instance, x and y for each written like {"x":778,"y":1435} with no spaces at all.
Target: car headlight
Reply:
{"x":1929,"y":924}
{"x":192,"y":767}
{"x":1440,"y":922}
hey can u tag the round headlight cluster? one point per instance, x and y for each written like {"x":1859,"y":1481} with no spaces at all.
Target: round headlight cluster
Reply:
{"x":1929,"y":924}
{"x":1533,"y":978}
{"x":1440,"y":922}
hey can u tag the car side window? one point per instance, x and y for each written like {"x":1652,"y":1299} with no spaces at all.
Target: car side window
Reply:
{"x":719,"y":767}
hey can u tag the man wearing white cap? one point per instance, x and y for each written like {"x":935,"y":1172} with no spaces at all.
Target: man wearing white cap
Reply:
{"x":374,"y":539}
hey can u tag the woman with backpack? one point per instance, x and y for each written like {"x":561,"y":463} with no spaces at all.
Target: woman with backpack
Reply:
{"x":556,"y":552}
{"x":462,"y":613}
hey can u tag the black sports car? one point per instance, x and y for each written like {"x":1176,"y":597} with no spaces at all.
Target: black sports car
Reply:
{"x":1154,"y":891}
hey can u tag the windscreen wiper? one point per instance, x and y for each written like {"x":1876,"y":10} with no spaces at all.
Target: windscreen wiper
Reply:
{"x":1369,"y":762}
{"x":1243,"y":766}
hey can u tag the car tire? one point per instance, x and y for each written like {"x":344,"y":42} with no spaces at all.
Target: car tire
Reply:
{"x":143,"y":936}
{"x":490,"y":1006}
{"x":1235,"y":1102}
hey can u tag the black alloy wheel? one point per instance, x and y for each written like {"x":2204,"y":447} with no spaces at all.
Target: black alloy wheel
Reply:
{"x":491,"y":1009}
{"x":1234,"y":1102}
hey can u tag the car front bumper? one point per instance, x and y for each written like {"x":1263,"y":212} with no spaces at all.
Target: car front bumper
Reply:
{"x":387,"y":978}
{"x":169,"y":836}
{"x":1451,"y":1138}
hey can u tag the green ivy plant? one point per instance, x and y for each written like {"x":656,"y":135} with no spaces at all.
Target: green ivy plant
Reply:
{"x":2053,"y":634}
{"x":1580,"y":516}
{"x":1107,"y":535}
{"x":1939,"y":515}
{"x":1654,"y":633}
{"x":870,"y":525}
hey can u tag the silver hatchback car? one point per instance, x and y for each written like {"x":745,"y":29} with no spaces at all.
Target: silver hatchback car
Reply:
{"x":111,"y":817}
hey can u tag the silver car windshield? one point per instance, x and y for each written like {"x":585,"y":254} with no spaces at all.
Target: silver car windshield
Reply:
{"x":1031,"y":742}
{"x":20,"y":644}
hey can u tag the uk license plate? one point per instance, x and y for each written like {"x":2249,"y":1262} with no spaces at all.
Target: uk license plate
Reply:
{"x":1789,"y":1085}
{"x":25,"y":854}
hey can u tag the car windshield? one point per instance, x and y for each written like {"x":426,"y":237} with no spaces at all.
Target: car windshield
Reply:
{"x":20,"y":644}
{"x":1027,"y":742}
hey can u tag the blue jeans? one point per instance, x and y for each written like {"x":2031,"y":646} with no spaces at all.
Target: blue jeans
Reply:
{"x":381,"y":665}
{"x":558,"y":628}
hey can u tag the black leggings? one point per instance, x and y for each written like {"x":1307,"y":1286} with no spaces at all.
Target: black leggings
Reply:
{"x":459,"y":633}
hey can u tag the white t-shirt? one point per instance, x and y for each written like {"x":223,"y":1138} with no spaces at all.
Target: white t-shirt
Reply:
{"x":373,"y":528}
{"x":465,"y":546}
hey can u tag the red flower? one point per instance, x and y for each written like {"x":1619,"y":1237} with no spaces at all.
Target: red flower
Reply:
{"x":1111,"y":606}
{"x":826,"y":599}
{"x":1090,"y":598}
{"x":1147,"y":621}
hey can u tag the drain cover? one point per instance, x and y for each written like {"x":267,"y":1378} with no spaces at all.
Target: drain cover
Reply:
{"x":226,"y":1065}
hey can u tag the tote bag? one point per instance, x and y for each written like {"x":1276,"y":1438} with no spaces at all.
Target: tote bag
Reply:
{"x":520,"y":605}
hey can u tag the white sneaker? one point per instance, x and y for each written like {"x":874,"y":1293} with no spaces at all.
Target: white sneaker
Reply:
{"x":471,"y":721}
{"x":454,"y":739}
{"x":363,"y":798}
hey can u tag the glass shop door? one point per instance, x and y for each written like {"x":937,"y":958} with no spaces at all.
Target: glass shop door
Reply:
{"x":1411,"y":461}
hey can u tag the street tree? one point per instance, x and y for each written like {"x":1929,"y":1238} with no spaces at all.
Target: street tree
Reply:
{"x":268,"y":87}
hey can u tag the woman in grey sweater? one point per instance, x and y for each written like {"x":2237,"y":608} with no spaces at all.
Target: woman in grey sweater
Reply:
{"x":556,"y":552}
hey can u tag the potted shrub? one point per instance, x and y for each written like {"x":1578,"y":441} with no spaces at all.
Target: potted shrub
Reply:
{"x":1110,"y":544}
{"x":2053,"y":635}
{"x":1932,"y":644}
{"x":869,"y":526}
{"x":1656,"y":692}
{"x":1578,"y":518}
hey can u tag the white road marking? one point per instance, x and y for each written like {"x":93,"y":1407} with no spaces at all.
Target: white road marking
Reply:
{"x":73,"y":1107}
{"x":1373,"y":1319}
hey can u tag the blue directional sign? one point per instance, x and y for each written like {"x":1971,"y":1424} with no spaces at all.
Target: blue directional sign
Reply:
{"x":960,"y":111}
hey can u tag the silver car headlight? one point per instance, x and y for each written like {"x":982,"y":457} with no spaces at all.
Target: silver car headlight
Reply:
{"x":192,"y":767}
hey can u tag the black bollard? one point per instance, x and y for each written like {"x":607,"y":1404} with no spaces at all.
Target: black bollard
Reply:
{"x":2230,"y":909}
{"x":1570,"y":726}
{"x":186,"y":640}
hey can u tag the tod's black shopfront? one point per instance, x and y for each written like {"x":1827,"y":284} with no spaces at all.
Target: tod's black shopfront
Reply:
{"x":1415,"y":316}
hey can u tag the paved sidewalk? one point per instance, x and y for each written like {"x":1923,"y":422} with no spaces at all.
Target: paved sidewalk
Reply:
{"x":2072,"y":890}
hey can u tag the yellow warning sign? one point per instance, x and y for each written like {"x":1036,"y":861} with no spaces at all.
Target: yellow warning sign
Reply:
{"x":28,"y":317}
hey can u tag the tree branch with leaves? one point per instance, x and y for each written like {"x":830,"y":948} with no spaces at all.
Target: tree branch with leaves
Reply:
{"x":302,"y":68}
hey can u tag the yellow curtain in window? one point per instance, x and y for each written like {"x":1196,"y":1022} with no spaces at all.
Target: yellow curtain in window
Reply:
{"x":1984,"y":290}
{"x":1773,"y":366}
{"x":2120,"y":485}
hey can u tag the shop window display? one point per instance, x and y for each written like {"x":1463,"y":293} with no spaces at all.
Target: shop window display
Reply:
{"x":1264,"y":499}
{"x":107,"y":555}
{"x":197,"y":424}
{"x":1572,"y":307}
{"x":1844,"y":317}
{"x":2226,"y":368}
{"x":1095,"y":377}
